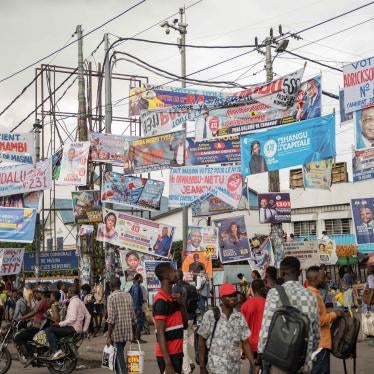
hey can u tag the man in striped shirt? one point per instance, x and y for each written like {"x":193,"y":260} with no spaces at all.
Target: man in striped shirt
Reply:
{"x":170,"y":317}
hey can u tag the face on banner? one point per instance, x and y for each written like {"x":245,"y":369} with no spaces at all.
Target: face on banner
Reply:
{"x":327,"y":252}
{"x":364,"y":123}
{"x":194,"y":263}
{"x":274,"y":207}
{"x":363,"y":218}
{"x":318,"y":174}
{"x":233,"y":239}
{"x":262,"y":254}
{"x":203,"y":238}
{"x":87,"y":206}
{"x":17,"y":148}
{"x":133,"y":263}
{"x":363,"y":165}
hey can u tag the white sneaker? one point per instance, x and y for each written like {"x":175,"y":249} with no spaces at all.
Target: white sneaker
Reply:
{"x":57,"y":355}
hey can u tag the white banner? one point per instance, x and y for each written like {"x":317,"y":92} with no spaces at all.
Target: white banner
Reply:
{"x":11,"y":260}
{"x":17,"y":148}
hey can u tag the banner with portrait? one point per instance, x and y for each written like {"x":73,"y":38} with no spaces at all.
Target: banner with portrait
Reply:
{"x":11,"y":260}
{"x":73,"y":170}
{"x":364,"y":125}
{"x":87,"y":206}
{"x":233,"y":239}
{"x":187,"y":184}
{"x":16,"y":179}
{"x":195,"y":262}
{"x":131,"y":191}
{"x":86,"y":230}
{"x":17,"y":225}
{"x":358,"y":80}
{"x":363,"y":219}
{"x":327,"y":252}
{"x":56,"y":164}
{"x":132,"y":232}
{"x":155,"y":153}
{"x":274,"y":207}
{"x":203,"y":238}
{"x":18,"y":148}
{"x":306,"y":252}
{"x":262,"y":255}
{"x":318,"y":174}
{"x":30,"y":200}
{"x":363,"y":165}
{"x":300,"y":143}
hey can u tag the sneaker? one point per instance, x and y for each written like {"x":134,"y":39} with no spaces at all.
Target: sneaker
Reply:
{"x":57,"y":355}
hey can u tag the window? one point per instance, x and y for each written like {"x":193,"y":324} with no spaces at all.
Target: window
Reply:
{"x":305,"y":228}
{"x":338,"y":226}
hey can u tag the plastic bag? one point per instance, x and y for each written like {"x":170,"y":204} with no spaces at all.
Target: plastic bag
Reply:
{"x":367,"y":323}
{"x":109,"y":357}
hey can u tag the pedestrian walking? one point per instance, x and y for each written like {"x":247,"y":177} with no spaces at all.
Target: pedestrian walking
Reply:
{"x":137,"y":299}
{"x":98,"y":293}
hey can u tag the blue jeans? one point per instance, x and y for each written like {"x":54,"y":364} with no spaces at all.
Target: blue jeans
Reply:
{"x":55,"y":332}
{"x":265,"y":368}
{"x":322,"y":364}
{"x":121,"y":367}
{"x":202,"y":304}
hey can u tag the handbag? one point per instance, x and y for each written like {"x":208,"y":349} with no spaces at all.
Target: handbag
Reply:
{"x":367,"y":323}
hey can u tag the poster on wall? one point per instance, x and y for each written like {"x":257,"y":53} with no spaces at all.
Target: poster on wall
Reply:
{"x":363,"y":215}
{"x":307,"y":252}
{"x":11,"y":260}
{"x":18,"y":148}
{"x":318,"y":174}
{"x":30,"y":200}
{"x":274,"y":207}
{"x":195,"y":262}
{"x":203,"y":238}
{"x":364,"y":125}
{"x":17,"y":225}
{"x":87,"y":206}
{"x":363,"y":165}
{"x":262,"y":255}
{"x":327,"y":252}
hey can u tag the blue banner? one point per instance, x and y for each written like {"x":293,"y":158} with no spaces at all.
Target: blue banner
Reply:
{"x":363,"y":165}
{"x":363,"y":219}
{"x":286,"y":146}
{"x":17,"y":225}
{"x":54,"y":260}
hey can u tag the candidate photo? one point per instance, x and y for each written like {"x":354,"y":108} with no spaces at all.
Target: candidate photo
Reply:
{"x":257,"y":163}
{"x":365,"y":128}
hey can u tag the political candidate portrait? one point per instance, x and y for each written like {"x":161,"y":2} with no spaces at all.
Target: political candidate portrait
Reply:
{"x":257,"y":163}
{"x":365,"y":129}
{"x":312,"y":106}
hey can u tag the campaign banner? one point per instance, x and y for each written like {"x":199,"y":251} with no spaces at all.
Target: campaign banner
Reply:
{"x":139,"y":234}
{"x":155,"y":153}
{"x":363,"y":219}
{"x":318,"y":174}
{"x":131,"y":191}
{"x":153,"y":284}
{"x":86,"y":230}
{"x":56,"y":164}
{"x":217,"y":151}
{"x":344,"y":117}
{"x":52,"y":260}
{"x":300,"y":143}
{"x":307,"y":252}
{"x":17,"y":225}
{"x":187,"y":184}
{"x":262,"y":255}
{"x":30,"y":200}
{"x":233,"y":239}
{"x":203,"y":238}
{"x":16,"y":179}
{"x":11,"y":260}
{"x":358,"y":84}
{"x":87,"y":206}
{"x":195,"y":262}
{"x":363,"y":165}
{"x":364,"y":125}
{"x":108,"y":148}
{"x":274,"y":207}
{"x":18,"y":148}
{"x":327,"y":252}
{"x":74,"y":164}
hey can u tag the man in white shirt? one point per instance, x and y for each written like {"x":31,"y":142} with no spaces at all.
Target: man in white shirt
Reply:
{"x":267,"y":213}
{"x":195,"y":241}
{"x":367,"y":128}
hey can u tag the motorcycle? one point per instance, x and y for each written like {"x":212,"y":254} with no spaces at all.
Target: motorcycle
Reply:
{"x":41,"y":351}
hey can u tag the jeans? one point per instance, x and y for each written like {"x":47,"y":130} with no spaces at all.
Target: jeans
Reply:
{"x":22,"y":337}
{"x":322,"y":364}
{"x":265,"y":368}
{"x":202,"y":304}
{"x":121,"y":367}
{"x":176,"y":361}
{"x":139,"y":323}
{"x":55,"y":332}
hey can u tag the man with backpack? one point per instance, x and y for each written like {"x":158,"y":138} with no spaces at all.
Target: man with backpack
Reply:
{"x":293,"y":349}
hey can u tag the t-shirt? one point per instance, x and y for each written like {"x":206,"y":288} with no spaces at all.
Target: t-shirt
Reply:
{"x":164,"y":309}
{"x":42,"y":307}
{"x":253,"y":311}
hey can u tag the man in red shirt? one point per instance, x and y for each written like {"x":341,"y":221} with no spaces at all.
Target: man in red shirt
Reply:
{"x":170,"y":317}
{"x":253,"y":311}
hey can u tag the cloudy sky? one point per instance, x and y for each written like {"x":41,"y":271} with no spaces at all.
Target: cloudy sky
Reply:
{"x":32,"y":29}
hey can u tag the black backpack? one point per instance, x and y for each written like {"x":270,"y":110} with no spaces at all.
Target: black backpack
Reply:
{"x":344,"y":334}
{"x":288,"y":334}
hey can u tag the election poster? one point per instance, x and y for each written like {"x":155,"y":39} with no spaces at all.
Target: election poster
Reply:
{"x":187,"y":184}
{"x":86,"y":230}
{"x":318,"y":174}
{"x":87,"y":206}
{"x":195,"y":262}
{"x":233,"y":239}
{"x":363,"y":214}
{"x":131,"y":191}
{"x":358,"y":80}
{"x":11,"y":260}
{"x":364,"y":125}
{"x":307,"y":252}
{"x":17,"y":225}
{"x":274,"y":207}
{"x":56,"y":164}
{"x":132,"y":232}
{"x":153,"y":284}
{"x":363,"y":165}
{"x":344,"y":117}
{"x":262,"y":255}
{"x":217,"y":151}
{"x":30,"y":200}
{"x":300,"y":143}
{"x":203,"y":238}
{"x":16,"y":179}
{"x":18,"y":148}
{"x":327,"y":252}
{"x":155,"y":153}
{"x":74,"y":164}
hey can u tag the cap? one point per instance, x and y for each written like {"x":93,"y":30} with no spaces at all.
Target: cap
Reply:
{"x":227,"y":289}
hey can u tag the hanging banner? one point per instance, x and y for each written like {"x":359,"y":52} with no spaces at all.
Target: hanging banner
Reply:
{"x":12,"y":259}
{"x":274,"y":207}
{"x":363,"y":165}
{"x":17,"y":225}
{"x":195,"y":262}
{"x":87,"y":206}
{"x":189,"y":183}
{"x":74,"y":164}
{"x":86,"y":230}
{"x":56,"y":164}
{"x":262,"y":255}
{"x":155,"y":153}
{"x":218,"y":151}
{"x":291,"y":145}
{"x":364,"y":124}
{"x":16,"y":179}
{"x":131,"y":191}
{"x":307,"y":252}
{"x":233,"y":240}
{"x":318,"y":174}
{"x":18,"y":148}
{"x":363,"y":215}
{"x":327,"y":252}
{"x":135,"y":233}
{"x":203,"y":238}
{"x":30,"y":200}
{"x":358,"y":84}
{"x":344,"y":117}
{"x":52,"y":260}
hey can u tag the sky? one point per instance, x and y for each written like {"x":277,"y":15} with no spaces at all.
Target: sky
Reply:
{"x":32,"y":29}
